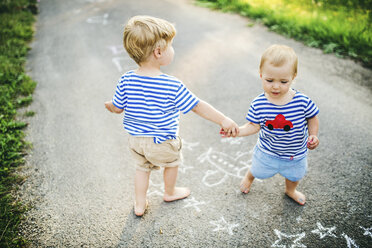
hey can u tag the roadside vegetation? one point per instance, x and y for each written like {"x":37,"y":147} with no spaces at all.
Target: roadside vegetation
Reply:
{"x":16,"y":20}
{"x":343,"y":27}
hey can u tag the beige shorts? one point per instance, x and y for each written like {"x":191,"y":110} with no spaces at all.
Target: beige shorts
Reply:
{"x":150,"y":156}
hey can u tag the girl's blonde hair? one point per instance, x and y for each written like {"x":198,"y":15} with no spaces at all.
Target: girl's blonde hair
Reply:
{"x":277,"y":55}
{"x":143,"y":34}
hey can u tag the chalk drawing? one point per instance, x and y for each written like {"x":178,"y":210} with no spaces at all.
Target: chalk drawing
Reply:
{"x":188,"y":145}
{"x":183,"y":168}
{"x":224,"y":166}
{"x":98,"y":19}
{"x":191,"y":202}
{"x":118,"y":60}
{"x":293,"y":239}
{"x":116,"y":50}
{"x":222,"y":225}
{"x":350,"y":243}
{"x":324,"y":231}
{"x":367,"y":231}
{"x":118,"y":63}
{"x":232,"y":141}
{"x":155,"y":189}
{"x":298,"y":219}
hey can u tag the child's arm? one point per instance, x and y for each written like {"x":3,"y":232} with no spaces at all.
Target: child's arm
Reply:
{"x":112,"y":108}
{"x":313,"y":127}
{"x":248,"y":129}
{"x":208,"y":112}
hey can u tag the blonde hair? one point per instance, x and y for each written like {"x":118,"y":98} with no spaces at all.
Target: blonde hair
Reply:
{"x":143,"y":34}
{"x":277,"y":55}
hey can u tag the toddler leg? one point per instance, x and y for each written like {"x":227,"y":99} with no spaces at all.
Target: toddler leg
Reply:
{"x":290,"y":190}
{"x":171,"y":192}
{"x":245,"y":184}
{"x":141,"y":184}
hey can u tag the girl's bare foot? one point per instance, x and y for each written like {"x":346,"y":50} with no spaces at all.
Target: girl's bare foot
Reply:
{"x":178,"y":194}
{"x":297,"y":197}
{"x":246,"y":183}
{"x":140,"y":209}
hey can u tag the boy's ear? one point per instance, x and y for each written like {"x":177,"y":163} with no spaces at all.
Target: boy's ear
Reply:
{"x":157,"y":52}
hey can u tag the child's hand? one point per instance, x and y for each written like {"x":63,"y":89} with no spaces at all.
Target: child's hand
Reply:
{"x":229,"y":127}
{"x":109,"y":106}
{"x":112,"y":108}
{"x":312,"y":142}
{"x":223,"y":133}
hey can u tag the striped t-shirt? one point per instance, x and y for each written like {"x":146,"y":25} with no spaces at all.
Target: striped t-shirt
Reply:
{"x":152,"y":105}
{"x":283,"y":132}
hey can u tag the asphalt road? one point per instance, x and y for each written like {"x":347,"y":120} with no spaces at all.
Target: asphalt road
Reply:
{"x":80,"y":176}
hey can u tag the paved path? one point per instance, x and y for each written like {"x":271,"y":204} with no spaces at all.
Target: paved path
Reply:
{"x":80,"y":174}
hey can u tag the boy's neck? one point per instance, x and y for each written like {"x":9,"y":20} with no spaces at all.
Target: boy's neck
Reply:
{"x":148,"y":69}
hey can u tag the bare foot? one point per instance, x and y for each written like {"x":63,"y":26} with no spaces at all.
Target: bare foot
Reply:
{"x":178,"y":194}
{"x":245,"y":185}
{"x":139,"y":210}
{"x":297,"y":197}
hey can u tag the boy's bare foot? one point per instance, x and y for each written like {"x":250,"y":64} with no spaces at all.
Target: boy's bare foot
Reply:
{"x":139,"y":210}
{"x":297,"y":197}
{"x":245,"y":185}
{"x":178,"y":194}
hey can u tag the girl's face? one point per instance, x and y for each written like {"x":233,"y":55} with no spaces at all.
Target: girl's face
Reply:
{"x":277,"y":80}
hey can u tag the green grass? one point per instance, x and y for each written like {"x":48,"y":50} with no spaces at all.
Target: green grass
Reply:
{"x":16,"y":20}
{"x":343,"y":27}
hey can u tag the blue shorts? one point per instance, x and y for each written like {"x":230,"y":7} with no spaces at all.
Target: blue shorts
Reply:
{"x":265,"y":166}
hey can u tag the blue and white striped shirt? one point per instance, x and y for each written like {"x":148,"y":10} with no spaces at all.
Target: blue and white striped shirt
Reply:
{"x":283,"y":132}
{"x":152,"y":104}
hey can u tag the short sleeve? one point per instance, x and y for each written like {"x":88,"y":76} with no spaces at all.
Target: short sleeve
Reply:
{"x":185,"y":100}
{"x":311,"y":109}
{"x":120,"y":98}
{"x":252,"y":115}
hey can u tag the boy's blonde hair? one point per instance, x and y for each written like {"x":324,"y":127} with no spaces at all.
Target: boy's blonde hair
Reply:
{"x":277,"y":55}
{"x":143,"y":34}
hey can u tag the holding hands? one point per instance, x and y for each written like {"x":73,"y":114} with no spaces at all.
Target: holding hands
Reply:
{"x":247,"y":129}
{"x":229,"y":128}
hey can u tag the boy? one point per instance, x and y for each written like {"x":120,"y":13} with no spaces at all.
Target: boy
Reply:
{"x":152,"y":101}
{"x":287,"y":123}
